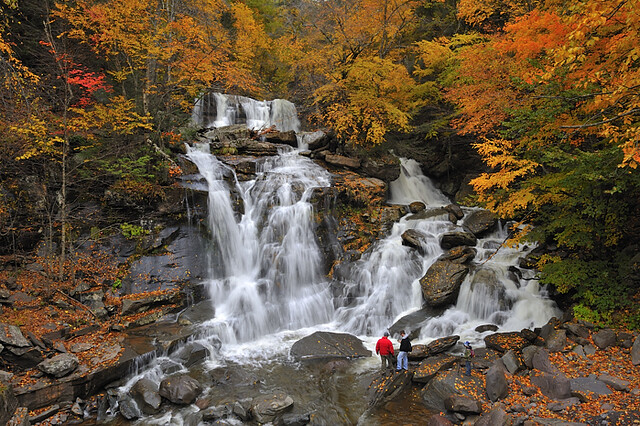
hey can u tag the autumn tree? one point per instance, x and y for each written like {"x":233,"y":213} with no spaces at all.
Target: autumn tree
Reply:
{"x":553,"y":100}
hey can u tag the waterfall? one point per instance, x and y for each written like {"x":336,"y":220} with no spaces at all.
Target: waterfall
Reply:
{"x":270,"y":275}
{"x":384,"y":285}
{"x":219,"y":110}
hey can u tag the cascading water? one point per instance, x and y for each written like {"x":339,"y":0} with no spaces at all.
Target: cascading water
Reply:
{"x":386,"y":280}
{"x":218,"y":110}
{"x":270,"y":278}
{"x":267,"y":286}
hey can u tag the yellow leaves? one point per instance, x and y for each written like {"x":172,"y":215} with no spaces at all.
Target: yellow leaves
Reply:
{"x":433,"y":56}
{"x":40,"y":141}
{"x":373,"y":98}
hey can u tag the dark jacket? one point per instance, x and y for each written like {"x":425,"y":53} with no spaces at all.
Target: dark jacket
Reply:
{"x":405,"y":344}
{"x":384,"y":346}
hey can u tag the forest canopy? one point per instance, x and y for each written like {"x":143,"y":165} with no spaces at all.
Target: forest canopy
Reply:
{"x":546,"y":92}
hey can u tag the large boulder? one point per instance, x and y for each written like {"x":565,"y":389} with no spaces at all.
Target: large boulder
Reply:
{"x":453,"y":239}
{"x":503,"y":342}
{"x":59,"y":365}
{"x":266,"y":408}
{"x":385,"y":387}
{"x":428,"y":368}
{"x":461,"y":254}
{"x":145,"y":393}
{"x":342,"y":161}
{"x":442,"y":345}
{"x":324,"y":344}
{"x":446,"y":384}
{"x":180,"y":389}
{"x":441,"y":284}
{"x":314,"y":140}
{"x":496,"y":382}
{"x":554,"y":386}
{"x":480,"y":222}
{"x":414,"y":238}
{"x":11,"y":335}
{"x":605,"y":338}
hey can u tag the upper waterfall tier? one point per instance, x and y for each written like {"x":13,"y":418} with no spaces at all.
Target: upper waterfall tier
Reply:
{"x":219,"y":110}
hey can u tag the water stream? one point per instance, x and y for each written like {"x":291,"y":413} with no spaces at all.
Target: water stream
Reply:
{"x":268,"y":290}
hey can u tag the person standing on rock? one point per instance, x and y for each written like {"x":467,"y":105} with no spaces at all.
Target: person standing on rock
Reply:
{"x":403,"y":353}
{"x":384,"y":348}
{"x":467,"y":355}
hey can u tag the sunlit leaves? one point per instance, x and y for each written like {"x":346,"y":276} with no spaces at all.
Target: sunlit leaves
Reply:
{"x":373,"y":99}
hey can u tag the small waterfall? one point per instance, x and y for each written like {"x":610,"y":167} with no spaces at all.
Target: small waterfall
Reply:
{"x":270,"y":280}
{"x":219,"y":110}
{"x":384,"y":285}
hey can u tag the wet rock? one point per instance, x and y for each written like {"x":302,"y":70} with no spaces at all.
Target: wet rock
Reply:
{"x":387,"y":386}
{"x":441,"y":284}
{"x":455,"y":212}
{"x":296,"y":419}
{"x":604,"y":338}
{"x":192,"y":353}
{"x":428,"y":368}
{"x":453,"y":239}
{"x":322,"y":344}
{"x":216,"y":413}
{"x":11,"y":335}
{"x":267,"y":408}
{"x":414,"y":239}
{"x":416,"y":207}
{"x":496,"y":382}
{"x":447,"y":383}
{"x":418,"y":352}
{"x":314,"y":140}
{"x":541,"y":362}
{"x":242,"y":409}
{"x":480,"y":222}
{"x":460,"y":255}
{"x":128,"y":408}
{"x":180,"y":389}
{"x":59,"y":365}
{"x":442,"y":345}
{"x":145,"y":393}
{"x":486,"y":327}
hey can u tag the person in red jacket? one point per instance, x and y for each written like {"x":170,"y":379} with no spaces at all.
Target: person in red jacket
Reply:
{"x":384,"y":348}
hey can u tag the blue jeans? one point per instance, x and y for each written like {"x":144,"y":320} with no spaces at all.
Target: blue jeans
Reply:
{"x":468,"y":365}
{"x":403,"y":361}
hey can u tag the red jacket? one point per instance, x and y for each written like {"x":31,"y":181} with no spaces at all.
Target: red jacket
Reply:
{"x":384,"y":346}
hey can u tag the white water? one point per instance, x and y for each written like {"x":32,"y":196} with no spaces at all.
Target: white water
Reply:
{"x":219,"y":110}
{"x":270,"y":278}
{"x":266,"y":279}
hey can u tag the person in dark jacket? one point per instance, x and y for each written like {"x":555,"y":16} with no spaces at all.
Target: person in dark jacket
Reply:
{"x":403,"y":353}
{"x":384,"y":348}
